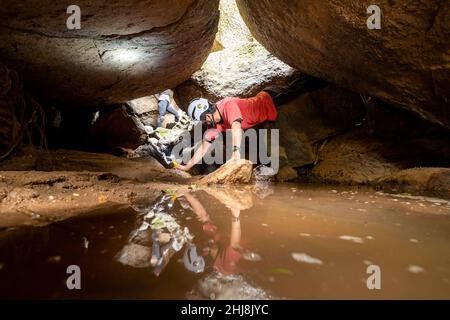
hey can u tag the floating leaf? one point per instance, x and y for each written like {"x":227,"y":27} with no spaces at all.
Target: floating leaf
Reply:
{"x":303,"y":257}
{"x":281,"y":271}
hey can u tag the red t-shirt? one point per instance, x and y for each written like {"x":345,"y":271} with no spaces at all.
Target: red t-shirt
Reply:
{"x":250,"y":112}
{"x":227,"y":261}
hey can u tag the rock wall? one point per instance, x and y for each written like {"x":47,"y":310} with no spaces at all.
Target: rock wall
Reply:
{"x":125,"y":49}
{"x":240,"y":71}
{"x":9,"y":98}
{"x":311,"y":118}
{"x":406,"y":63}
{"x":233,"y":31}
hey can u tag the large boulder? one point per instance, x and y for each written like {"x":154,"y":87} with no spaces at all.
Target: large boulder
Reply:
{"x":406,"y":63}
{"x":355,"y":159}
{"x":233,"y":31}
{"x":240,"y":71}
{"x":359,"y":157}
{"x":146,"y":109}
{"x":125,"y":49}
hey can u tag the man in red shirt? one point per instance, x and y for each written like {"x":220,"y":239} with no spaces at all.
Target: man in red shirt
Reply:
{"x":238,"y":114}
{"x":233,"y":114}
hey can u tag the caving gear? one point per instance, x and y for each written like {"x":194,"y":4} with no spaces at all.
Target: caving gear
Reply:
{"x":162,"y":158}
{"x":176,"y":165}
{"x":198,"y":108}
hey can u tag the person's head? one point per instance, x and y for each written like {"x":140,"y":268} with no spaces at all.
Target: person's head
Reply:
{"x":203,"y":110}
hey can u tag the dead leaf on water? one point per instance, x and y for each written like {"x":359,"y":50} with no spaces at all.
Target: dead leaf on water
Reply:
{"x":54,"y":259}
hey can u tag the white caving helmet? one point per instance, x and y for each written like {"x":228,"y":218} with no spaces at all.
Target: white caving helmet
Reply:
{"x":197,"y":107}
{"x":192,"y":261}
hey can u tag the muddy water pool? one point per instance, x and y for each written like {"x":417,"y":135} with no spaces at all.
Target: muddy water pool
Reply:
{"x":281,"y":242}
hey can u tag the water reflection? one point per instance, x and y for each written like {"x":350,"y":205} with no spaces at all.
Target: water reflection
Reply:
{"x":157,"y":239}
{"x":209,"y":243}
{"x":214,"y":252}
{"x":159,"y":235}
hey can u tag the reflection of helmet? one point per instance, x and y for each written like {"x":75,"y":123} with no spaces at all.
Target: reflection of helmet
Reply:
{"x":192,"y":261}
{"x":197,"y":108}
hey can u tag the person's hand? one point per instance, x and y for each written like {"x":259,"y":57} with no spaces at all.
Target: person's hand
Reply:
{"x":182,"y":167}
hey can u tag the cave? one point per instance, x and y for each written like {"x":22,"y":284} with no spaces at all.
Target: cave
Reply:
{"x":362,"y":140}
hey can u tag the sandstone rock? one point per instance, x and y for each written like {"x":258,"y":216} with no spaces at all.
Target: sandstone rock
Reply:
{"x":313,"y":117}
{"x":124,"y":49}
{"x":428,"y":181}
{"x":233,"y":198}
{"x":235,"y":172}
{"x":287,"y":174}
{"x":359,"y":157}
{"x":146,"y":109}
{"x":233,"y":31}
{"x":354,"y":159}
{"x":406,"y":63}
{"x":239,"y":71}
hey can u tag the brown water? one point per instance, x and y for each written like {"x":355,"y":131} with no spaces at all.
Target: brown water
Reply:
{"x":296,"y":243}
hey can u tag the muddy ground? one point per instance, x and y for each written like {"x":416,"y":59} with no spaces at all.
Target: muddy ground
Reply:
{"x":38,"y":187}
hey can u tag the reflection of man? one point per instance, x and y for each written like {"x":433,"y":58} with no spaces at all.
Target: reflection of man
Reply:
{"x":225,"y":255}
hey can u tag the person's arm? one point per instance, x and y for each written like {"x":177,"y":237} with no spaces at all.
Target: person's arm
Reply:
{"x":236,"y":131}
{"x":198,"y":208}
{"x":235,"y":238}
{"x":198,"y":156}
